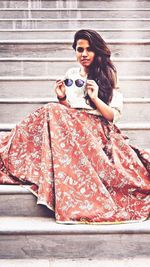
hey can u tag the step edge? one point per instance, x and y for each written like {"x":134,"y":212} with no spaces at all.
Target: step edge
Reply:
{"x":42,"y":226}
{"x":53,"y":78}
{"x":14,"y":189}
{"x":76,"y":9}
{"x":75,"y":19}
{"x":28,"y":100}
{"x":64,"y":41}
{"x":73,"y":30}
{"x":71,"y":59}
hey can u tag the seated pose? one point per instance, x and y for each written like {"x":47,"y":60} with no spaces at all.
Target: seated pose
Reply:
{"x":71,"y":153}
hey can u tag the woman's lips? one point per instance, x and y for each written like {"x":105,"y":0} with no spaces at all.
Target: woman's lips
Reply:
{"x":84,"y":60}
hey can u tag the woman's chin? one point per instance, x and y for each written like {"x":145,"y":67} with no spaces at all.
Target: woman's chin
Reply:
{"x":85,"y":64}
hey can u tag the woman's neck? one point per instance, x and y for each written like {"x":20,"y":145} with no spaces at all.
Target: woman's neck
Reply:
{"x":83,"y":71}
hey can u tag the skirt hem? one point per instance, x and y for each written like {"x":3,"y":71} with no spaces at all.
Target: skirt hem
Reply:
{"x":100,"y":223}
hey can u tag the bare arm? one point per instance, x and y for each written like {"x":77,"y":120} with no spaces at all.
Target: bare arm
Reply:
{"x":104,"y":109}
{"x":61,"y":92}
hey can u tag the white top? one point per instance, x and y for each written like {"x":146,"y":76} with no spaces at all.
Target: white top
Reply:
{"x":76,"y":95}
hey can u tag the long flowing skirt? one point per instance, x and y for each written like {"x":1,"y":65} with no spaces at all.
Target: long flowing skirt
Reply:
{"x":78,"y":165}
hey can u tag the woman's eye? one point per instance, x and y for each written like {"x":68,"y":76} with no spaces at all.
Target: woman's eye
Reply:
{"x":80,"y":49}
{"x":89,"y":49}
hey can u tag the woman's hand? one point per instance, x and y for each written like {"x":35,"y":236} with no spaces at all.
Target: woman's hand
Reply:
{"x":60,"y":88}
{"x":92,"y":89}
{"x":105,"y":110}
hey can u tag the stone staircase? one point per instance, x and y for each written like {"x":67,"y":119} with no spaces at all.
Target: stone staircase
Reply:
{"x":35,"y":49}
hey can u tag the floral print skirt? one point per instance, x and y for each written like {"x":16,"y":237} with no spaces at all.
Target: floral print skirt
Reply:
{"x":79,"y":165}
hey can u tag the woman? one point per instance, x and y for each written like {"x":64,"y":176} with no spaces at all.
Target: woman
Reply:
{"x":75,"y":159}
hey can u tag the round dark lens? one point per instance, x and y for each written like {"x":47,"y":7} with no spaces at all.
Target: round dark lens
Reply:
{"x":79,"y":83}
{"x":68,"y":82}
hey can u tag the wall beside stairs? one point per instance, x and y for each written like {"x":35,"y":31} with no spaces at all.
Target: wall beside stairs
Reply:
{"x":35,"y":49}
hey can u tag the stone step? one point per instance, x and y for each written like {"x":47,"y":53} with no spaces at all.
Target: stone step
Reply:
{"x":19,"y":201}
{"x":58,"y":13}
{"x":74,"y":4}
{"x":63,"y":48}
{"x":9,"y":226}
{"x":27,"y":237}
{"x":43,"y":86}
{"x":138,"y":137}
{"x":14,"y":110}
{"x":77,"y":23}
{"x":144,"y":262}
{"x":46,"y":66}
{"x":18,"y":34}
{"x":38,"y":263}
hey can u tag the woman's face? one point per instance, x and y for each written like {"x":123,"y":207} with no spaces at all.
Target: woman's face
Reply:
{"x":84,"y":53}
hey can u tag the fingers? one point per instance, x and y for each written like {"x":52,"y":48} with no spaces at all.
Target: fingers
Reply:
{"x":60,"y":88}
{"x":92,"y":89}
{"x":59,"y":82}
{"x":90,"y":81}
{"x":91,"y":84}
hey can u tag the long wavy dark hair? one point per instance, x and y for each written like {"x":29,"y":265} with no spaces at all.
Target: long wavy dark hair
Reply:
{"x":102,"y":69}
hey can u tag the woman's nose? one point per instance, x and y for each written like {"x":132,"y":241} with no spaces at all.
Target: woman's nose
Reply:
{"x":84,"y":53}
